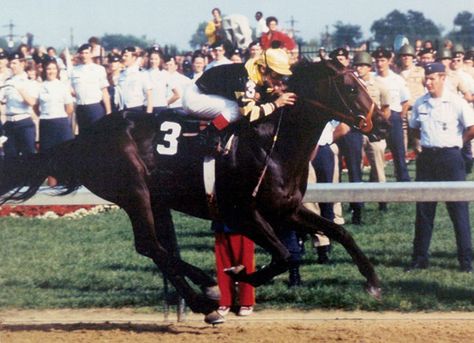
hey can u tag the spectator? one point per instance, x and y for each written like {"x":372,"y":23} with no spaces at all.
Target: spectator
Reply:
{"x":261,"y":27}
{"x":414,"y":77}
{"x":426,"y":56}
{"x":97,"y":51}
{"x":20,"y":96}
{"x":134,"y":86}
{"x":274,"y":34}
{"x":341,"y":55}
{"x":55,"y":108}
{"x":213,"y":29}
{"x":468,"y":63}
{"x":255,"y":50}
{"x":176,"y":85}
{"x":374,"y":150}
{"x":219,"y":51}
{"x":198,"y":66}
{"x":233,"y":249}
{"x":453,"y":82}
{"x":399,"y":96}
{"x":89,"y":82}
{"x":114,"y":67}
{"x":236,"y":56}
{"x":52,"y":53}
{"x":159,"y":80}
{"x":444,"y":122}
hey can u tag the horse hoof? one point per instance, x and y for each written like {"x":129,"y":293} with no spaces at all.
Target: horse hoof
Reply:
{"x":212,"y":293}
{"x":214,"y":318}
{"x":375,"y":292}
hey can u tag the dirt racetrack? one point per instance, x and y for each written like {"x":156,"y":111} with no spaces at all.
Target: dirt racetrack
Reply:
{"x":99,"y":325}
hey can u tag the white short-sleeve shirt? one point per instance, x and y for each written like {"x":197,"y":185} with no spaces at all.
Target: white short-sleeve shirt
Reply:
{"x":397,"y":90}
{"x":159,"y":82}
{"x":179,"y":82}
{"x":15,"y":103}
{"x":53,"y":96}
{"x":442,"y":120}
{"x":133,"y":85}
{"x":88,"y":81}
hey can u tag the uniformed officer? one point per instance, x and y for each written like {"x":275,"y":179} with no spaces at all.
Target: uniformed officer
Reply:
{"x":20,"y":95}
{"x":134,"y":86}
{"x":342,"y":55}
{"x":454,"y":83}
{"x":114,"y":67}
{"x":444,"y":121}
{"x":374,"y":150}
{"x":399,"y":96}
{"x":426,"y":56}
{"x":89,"y":82}
{"x":415,"y":77}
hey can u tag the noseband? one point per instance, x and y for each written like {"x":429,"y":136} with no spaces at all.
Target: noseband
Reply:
{"x":359,"y":122}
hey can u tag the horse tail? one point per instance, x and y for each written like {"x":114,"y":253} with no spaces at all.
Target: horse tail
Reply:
{"x":21,"y":177}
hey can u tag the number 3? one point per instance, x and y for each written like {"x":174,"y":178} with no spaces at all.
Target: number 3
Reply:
{"x":173,"y":131}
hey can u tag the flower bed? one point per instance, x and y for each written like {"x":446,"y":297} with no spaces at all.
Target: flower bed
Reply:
{"x":53,"y":211}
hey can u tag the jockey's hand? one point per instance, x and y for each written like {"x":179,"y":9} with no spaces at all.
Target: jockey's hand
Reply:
{"x":285,"y":99}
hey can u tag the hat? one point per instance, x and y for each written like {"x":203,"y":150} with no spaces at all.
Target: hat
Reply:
{"x":458,"y":49}
{"x":426,"y":51}
{"x":362,"y":58}
{"x":113,"y":58}
{"x":154,"y":48}
{"x":217,"y":44}
{"x":277,"y":60}
{"x":382,"y":52}
{"x":339,"y":52}
{"x":16,"y":56}
{"x":435,"y":67}
{"x":444,"y":54}
{"x":407,"y":50}
{"x":129,"y":49}
{"x":3,"y":55}
{"x":83,"y":47}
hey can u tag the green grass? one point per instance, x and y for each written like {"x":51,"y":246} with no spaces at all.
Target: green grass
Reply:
{"x":91,"y":262}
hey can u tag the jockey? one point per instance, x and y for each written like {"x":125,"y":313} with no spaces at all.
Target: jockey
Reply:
{"x":255,"y":89}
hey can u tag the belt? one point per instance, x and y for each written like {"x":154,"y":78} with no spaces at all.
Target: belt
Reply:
{"x":436,"y":149}
{"x":18,"y":117}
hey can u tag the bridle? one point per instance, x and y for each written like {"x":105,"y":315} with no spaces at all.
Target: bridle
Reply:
{"x":359,"y":122}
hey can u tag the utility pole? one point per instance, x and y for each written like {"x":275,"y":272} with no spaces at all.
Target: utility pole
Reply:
{"x":292,"y":31}
{"x":10,"y":35}
{"x":71,"y":37}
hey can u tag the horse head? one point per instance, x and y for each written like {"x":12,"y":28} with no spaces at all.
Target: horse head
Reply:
{"x":337,"y":93}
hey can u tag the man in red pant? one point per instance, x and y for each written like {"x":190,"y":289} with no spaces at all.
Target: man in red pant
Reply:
{"x":233,"y":249}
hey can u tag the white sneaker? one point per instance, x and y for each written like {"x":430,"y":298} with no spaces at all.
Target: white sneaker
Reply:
{"x":245,"y":311}
{"x":3,"y":139}
{"x":223,"y":310}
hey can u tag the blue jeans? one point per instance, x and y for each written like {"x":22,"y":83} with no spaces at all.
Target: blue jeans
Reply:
{"x":323,"y":165}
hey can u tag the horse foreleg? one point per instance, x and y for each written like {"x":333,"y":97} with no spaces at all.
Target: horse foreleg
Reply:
{"x":166,"y":235}
{"x":255,"y":227}
{"x":311,"y":223}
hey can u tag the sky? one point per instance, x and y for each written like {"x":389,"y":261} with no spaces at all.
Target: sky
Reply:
{"x":174,"y":22}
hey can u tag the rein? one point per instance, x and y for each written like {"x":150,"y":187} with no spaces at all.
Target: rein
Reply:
{"x":267,"y":158}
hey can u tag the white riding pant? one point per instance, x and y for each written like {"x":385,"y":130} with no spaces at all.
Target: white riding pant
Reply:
{"x":209,"y":106}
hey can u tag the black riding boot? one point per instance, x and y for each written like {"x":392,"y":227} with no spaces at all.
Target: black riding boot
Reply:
{"x":210,"y":140}
{"x":323,"y":257}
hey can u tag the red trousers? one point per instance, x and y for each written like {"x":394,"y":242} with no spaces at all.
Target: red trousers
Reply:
{"x":231,"y":250}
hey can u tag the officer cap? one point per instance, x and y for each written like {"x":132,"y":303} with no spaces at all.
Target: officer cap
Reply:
{"x":458,"y":49}
{"x":113,"y":58}
{"x":426,"y":51}
{"x":154,"y":49}
{"x":407,"y":49}
{"x":362,"y":58}
{"x":83,"y":47}
{"x":469,"y":55}
{"x":3,"y":55}
{"x":339,"y":52}
{"x":382,"y":52}
{"x":129,"y":49}
{"x":435,"y":67}
{"x":444,"y":54}
{"x":16,"y":56}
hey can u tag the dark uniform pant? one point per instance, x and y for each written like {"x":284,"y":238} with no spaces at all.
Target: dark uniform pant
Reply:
{"x":21,"y":138}
{"x":396,"y":145}
{"x":442,"y":164}
{"x":88,"y":114}
{"x":323,"y":165}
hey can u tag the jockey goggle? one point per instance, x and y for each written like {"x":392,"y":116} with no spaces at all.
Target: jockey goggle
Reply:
{"x":277,"y":77}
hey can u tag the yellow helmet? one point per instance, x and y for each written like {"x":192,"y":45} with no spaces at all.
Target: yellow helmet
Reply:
{"x":277,"y":60}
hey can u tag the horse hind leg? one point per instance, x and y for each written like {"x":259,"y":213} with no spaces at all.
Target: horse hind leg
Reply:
{"x":311,"y":223}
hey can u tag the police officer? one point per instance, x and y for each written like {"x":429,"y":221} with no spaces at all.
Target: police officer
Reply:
{"x":414,"y":76}
{"x":20,"y":95}
{"x":134,"y":86}
{"x":341,"y":55}
{"x":89,"y":82}
{"x":444,"y":121}
{"x":399,"y":96}
{"x":374,"y":150}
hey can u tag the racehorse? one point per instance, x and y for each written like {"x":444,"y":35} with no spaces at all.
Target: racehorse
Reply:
{"x":259,"y":182}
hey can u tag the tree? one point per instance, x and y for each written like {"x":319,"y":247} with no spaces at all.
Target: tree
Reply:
{"x":413,"y":25}
{"x":465,"y":34}
{"x":346,"y":35}
{"x":199,"y":38}
{"x":119,"y":41}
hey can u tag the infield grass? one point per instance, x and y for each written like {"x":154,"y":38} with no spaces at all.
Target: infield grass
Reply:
{"x":91,"y":262}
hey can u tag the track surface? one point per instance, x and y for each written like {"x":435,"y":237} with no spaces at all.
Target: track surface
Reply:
{"x":125,"y":325}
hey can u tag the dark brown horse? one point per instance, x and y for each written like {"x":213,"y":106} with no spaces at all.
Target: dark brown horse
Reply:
{"x":139,"y":165}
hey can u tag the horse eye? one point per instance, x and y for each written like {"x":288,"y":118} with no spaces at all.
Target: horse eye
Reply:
{"x":351,"y":90}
